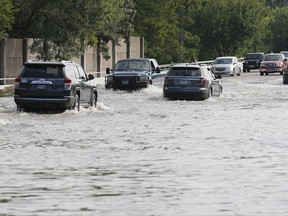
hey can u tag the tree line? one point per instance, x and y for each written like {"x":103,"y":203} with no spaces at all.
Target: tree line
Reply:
{"x":174,"y":30}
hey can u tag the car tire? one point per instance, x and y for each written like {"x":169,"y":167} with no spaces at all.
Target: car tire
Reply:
{"x":266,"y":74}
{"x":93,"y":102}
{"x":261,"y":73}
{"x":239,"y":72}
{"x":281,"y":73}
{"x":233,"y":73}
{"x":77,"y":103}
{"x":18,"y":108}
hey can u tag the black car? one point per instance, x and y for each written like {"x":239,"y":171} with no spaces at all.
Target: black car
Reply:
{"x":54,"y":85}
{"x":252,"y":61}
{"x":132,"y":73}
{"x":191,"y":81}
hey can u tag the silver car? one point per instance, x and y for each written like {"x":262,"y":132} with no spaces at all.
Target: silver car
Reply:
{"x":191,"y":81}
{"x":227,"y":65}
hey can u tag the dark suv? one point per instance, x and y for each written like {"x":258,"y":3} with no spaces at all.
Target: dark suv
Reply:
{"x":252,"y":61}
{"x":61,"y":85}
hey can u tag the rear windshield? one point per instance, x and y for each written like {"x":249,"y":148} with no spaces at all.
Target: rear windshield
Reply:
{"x":184,"y":71}
{"x":42,"y":71}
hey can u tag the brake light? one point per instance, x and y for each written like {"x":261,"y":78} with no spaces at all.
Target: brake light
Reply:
{"x":166,"y":81}
{"x":17,"y":82}
{"x":202,"y":81}
{"x":67,"y":83}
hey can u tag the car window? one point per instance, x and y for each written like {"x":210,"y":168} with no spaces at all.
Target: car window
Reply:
{"x":81,"y":72}
{"x":72,"y":71}
{"x":223,"y":61}
{"x":273,"y":58}
{"x":42,"y":71}
{"x":184,"y":71}
{"x":133,"y":65}
{"x":253,"y":56}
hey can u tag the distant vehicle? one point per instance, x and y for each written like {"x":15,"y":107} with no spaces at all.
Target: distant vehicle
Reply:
{"x":285,"y":53}
{"x":252,"y":61}
{"x":132,"y":73}
{"x":273,"y":63}
{"x":227,"y":65}
{"x":191,"y":81}
{"x":54,"y":85}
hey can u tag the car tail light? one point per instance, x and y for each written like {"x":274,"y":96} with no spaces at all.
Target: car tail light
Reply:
{"x":17,"y":82}
{"x":166,"y":81}
{"x":202,"y":81}
{"x":67,"y":83}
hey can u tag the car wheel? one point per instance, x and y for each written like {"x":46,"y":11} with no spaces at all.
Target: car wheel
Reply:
{"x":239,"y":72}
{"x":266,"y":74}
{"x":261,"y":73}
{"x":19,"y":108}
{"x":77,"y":103}
{"x":93,"y":102}
{"x":281,"y":73}
{"x":248,"y":70}
{"x":210,"y":93}
{"x":233,"y":73}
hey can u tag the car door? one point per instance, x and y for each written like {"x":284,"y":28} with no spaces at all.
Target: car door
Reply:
{"x":216,"y":86}
{"x":85,"y":87}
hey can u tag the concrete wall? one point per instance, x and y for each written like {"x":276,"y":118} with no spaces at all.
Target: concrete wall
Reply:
{"x":14,"y":52}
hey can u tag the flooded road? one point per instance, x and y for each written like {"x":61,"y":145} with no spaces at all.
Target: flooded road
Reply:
{"x":138,"y":154}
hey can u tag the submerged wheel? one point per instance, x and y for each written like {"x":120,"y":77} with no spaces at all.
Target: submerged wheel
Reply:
{"x":77,"y":103}
{"x":94,"y":98}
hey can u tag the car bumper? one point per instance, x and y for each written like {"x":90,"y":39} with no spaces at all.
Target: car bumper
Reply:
{"x":271,"y":70}
{"x":127,"y":86}
{"x":180,"y":93}
{"x":65,"y":102}
{"x":226,"y":72}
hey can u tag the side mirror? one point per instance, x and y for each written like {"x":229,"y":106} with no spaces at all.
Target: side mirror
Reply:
{"x":90,"y":77}
{"x":108,"y":70}
{"x":158,"y":70}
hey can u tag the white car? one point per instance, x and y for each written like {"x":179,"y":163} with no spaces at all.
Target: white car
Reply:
{"x":227,"y":65}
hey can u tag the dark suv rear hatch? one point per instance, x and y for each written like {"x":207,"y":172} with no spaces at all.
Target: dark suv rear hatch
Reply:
{"x":42,"y":81}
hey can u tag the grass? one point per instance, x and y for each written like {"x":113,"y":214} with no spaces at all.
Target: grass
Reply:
{"x":7,"y":91}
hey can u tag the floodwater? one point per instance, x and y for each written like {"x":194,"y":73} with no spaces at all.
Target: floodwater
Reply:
{"x":138,"y":154}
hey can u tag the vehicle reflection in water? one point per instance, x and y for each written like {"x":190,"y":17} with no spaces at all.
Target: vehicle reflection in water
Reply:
{"x":139,"y":154}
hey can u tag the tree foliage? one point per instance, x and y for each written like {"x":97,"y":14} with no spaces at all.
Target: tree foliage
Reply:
{"x":64,"y":26}
{"x":6,"y":17}
{"x":209,"y":28}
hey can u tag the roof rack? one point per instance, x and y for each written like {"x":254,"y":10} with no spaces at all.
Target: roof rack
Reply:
{"x":67,"y":61}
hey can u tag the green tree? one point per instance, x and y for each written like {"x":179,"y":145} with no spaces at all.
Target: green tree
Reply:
{"x":6,"y":17}
{"x":230,"y":27}
{"x":279,"y":28}
{"x":159,"y":22}
{"x":65,"y":26}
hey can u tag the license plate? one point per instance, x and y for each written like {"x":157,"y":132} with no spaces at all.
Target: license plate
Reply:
{"x":41,"y":87}
{"x":125,"y":82}
{"x":184,"y":82}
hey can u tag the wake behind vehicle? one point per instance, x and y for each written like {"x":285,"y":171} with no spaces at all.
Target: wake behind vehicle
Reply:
{"x":132,"y":73}
{"x":54,"y":85}
{"x":191,"y":81}
{"x":273,"y":63}
{"x":252,"y":61}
